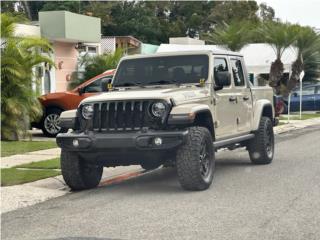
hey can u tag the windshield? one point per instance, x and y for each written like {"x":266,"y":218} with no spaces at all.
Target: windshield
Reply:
{"x":162,"y":70}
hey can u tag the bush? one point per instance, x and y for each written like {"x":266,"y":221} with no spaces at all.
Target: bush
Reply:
{"x":19,"y":55}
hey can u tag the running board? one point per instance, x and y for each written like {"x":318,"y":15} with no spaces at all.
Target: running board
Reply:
{"x":229,"y":141}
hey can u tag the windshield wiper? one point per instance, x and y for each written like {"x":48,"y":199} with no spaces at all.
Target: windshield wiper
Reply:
{"x":130,"y":84}
{"x":165,"y":82}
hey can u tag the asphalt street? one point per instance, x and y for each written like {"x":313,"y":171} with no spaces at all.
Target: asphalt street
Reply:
{"x":277,"y":201}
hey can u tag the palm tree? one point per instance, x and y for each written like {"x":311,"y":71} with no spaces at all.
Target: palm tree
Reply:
{"x":279,"y":36}
{"x":18,"y":58}
{"x":233,"y":36}
{"x":307,"y":44}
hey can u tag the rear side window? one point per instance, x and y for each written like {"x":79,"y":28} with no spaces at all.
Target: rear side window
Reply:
{"x":237,"y":72}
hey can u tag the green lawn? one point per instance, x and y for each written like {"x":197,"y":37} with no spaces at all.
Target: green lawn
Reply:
{"x":13,"y":176}
{"x":303,"y":116}
{"x":30,"y":172}
{"x":47,"y":164}
{"x":17,"y":147}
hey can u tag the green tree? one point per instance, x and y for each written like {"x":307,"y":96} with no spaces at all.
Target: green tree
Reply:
{"x":279,"y":36}
{"x":266,"y":12}
{"x":233,"y":36}
{"x":18,"y":57}
{"x":307,"y":44}
{"x":95,"y":65}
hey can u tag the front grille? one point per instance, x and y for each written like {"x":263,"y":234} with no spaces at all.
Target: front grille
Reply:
{"x":123,"y":116}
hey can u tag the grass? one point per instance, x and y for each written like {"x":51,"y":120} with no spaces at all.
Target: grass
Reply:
{"x":303,"y":116}
{"x":47,"y":164}
{"x":14,"y":176}
{"x":30,"y":172}
{"x":9,"y":148}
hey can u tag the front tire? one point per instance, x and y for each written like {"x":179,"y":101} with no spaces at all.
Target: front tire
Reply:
{"x":78,"y":174}
{"x":261,"y":147}
{"x":50,"y":124}
{"x":195,"y":160}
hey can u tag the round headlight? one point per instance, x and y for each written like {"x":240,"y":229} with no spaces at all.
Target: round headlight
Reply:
{"x":87,"y":111}
{"x":158,"y":109}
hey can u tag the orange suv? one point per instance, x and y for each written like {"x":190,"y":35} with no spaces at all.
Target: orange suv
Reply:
{"x":55,"y":103}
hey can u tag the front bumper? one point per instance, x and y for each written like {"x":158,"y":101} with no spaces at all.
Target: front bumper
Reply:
{"x":94,"y":141}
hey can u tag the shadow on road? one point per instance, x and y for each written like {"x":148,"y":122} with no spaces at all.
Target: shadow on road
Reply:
{"x":165,"y":180}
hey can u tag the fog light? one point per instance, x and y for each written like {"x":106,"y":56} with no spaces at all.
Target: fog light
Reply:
{"x":75,"y":143}
{"x":157,"y":141}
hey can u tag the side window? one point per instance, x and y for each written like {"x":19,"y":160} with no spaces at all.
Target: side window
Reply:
{"x":220,"y":65}
{"x":95,"y":86}
{"x":237,"y":72}
{"x":307,"y":91}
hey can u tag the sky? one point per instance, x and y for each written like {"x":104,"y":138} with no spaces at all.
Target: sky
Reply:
{"x":304,"y":12}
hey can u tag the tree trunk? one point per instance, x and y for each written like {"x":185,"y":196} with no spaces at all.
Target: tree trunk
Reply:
{"x":26,"y":7}
{"x":276,"y":72}
{"x":297,"y":68}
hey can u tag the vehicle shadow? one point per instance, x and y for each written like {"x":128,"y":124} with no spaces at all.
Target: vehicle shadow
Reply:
{"x":165,"y":180}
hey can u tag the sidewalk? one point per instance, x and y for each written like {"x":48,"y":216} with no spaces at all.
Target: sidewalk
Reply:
{"x":37,"y":156}
{"x":295,"y":124}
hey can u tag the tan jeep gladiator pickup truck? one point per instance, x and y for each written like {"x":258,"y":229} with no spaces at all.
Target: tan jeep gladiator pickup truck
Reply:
{"x":174,"y":109}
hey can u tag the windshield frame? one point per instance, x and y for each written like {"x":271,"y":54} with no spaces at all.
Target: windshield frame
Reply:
{"x":138,"y":83}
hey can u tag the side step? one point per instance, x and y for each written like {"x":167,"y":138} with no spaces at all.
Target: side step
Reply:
{"x":229,"y":141}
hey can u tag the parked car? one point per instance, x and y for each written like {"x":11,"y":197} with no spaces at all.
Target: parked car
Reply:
{"x":310,"y":99}
{"x":55,"y":103}
{"x":174,"y":109}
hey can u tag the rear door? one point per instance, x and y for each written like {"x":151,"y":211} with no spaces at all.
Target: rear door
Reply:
{"x":308,"y":100}
{"x":243,"y":95}
{"x":225,"y":103}
{"x":317,"y":99}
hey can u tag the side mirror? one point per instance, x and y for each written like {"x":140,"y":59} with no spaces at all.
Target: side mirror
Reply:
{"x":80,"y":90}
{"x":104,"y":84}
{"x":222,"y":79}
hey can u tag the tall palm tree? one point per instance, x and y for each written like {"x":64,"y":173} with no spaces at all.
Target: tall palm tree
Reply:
{"x":233,"y":36}
{"x":307,"y":44}
{"x":18,"y":58}
{"x":279,"y":36}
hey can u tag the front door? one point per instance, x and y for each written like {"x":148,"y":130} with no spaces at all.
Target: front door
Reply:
{"x":243,"y":94}
{"x":225,"y":103}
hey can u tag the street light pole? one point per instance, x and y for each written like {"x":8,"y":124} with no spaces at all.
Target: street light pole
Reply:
{"x":301,"y":77}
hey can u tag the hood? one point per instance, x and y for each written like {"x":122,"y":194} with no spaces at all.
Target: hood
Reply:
{"x":177,"y":94}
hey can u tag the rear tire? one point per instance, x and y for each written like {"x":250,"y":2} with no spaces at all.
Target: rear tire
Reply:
{"x":261,"y":147}
{"x":78,"y":174}
{"x":195,"y":160}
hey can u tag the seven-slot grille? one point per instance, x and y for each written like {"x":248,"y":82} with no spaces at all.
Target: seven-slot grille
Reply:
{"x":123,"y":116}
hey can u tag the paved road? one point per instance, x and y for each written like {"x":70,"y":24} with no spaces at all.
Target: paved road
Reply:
{"x":278,"y":201}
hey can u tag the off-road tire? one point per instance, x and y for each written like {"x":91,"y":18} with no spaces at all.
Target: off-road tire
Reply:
{"x":261,"y":147}
{"x":190,"y":168}
{"x":150,"y":164}
{"x":51,"y":112}
{"x":78,"y":174}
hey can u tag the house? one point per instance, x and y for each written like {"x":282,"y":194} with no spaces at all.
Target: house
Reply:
{"x":69,"y":33}
{"x":129,"y":44}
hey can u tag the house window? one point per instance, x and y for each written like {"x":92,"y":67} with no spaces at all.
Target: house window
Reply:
{"x":92,"y":49}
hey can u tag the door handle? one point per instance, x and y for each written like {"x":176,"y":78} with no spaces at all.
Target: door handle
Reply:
{"x":233,"y":99}
{"x":245,"y":98}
